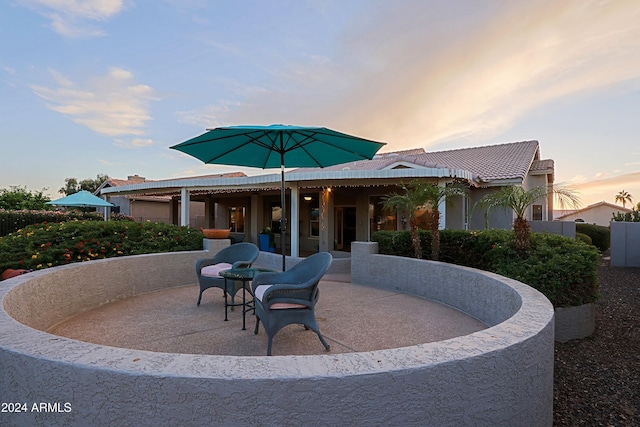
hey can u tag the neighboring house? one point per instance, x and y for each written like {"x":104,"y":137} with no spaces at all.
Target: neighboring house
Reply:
{"x":599,"y":213}
{"x":156,"y":208}
{"x":331,"y":207}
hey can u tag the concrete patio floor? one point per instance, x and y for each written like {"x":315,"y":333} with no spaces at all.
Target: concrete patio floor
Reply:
{"x":352,"y":318}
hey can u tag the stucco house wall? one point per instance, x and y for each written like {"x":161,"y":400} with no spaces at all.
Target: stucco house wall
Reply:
{"x":498,"y":218}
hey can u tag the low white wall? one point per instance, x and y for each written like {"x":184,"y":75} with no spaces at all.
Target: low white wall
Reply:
{"x":339,"y":265}
{"x":575,"y":322}
{"x":53,"y":295}
{"x":563,"y":228}
{"x":501,"y":376}
{"x":625,"y":244}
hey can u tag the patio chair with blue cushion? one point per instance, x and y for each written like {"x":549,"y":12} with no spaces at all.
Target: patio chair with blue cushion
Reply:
{"x":240,"y":255}
{"x":290,"y":297}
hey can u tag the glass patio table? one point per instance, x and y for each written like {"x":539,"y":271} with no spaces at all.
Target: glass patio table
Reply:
{"x":244,"y":275}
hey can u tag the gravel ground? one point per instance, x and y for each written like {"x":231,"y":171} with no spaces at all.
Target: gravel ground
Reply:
{"x":597,"y":379}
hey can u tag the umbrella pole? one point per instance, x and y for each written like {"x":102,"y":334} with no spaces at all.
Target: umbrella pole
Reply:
{"x":283,"y":217}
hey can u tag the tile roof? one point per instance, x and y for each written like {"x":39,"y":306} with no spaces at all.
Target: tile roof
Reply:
{"x":114,"y":182}
{"x":492,"y":162}
{"x":488,"y":163}
{"x":542,"y":165}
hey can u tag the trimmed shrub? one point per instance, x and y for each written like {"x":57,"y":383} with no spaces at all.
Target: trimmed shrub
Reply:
{"x":585,"y":238}
{"x":565,"y":270}
{"x":396,"y":243}
{"x":600,"y":235}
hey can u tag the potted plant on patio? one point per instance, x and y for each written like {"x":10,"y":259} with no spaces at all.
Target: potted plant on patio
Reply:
{"x":267,"y":240}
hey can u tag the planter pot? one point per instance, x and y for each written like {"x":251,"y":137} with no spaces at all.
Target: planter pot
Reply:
{"x":264,"y":242}
{"x":575,"y":322}
{"x":215,"y":233}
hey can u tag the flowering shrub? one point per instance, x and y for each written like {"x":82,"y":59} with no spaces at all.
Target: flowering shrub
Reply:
{"x":121,"y":217}
{"x":49,"y":244}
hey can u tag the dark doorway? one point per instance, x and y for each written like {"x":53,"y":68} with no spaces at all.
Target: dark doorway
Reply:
{"x":345,"y":227}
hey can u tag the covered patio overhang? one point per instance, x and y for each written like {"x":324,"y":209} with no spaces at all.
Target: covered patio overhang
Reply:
{"x":202,"y":188}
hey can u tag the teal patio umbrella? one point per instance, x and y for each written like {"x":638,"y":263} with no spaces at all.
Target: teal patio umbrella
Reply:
{"x":81,"y":199}
{"x":276,"y":146}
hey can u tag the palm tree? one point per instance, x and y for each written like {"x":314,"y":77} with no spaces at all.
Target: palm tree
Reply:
{"x":624,"y":197}
{"x":416,"y":195}
{"x":518,"y":199}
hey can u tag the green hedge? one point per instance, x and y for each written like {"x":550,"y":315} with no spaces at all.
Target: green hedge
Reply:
{"x":600,"y":235}
{"x":565,"y":270}
{"x":47,"y":245}
{"x":14,"y":220}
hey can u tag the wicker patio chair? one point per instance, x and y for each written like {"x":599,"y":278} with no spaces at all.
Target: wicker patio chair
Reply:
{"x":240,"y":255}
{"x":236,"y":238}
{"x":290,"y":297}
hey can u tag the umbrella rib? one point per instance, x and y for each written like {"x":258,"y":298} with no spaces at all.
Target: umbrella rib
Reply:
{"x":308,"y":139}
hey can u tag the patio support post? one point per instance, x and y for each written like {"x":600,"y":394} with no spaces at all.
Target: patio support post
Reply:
{"x":184,"y":206}
{"x":283,"y":215}
{"x":254,"y":209}
{"x":326,"y":227}
{"x":295,"y":220}
{"x":173,"y":211}
{"x":442,"y":207}
{"x":209,"y":212}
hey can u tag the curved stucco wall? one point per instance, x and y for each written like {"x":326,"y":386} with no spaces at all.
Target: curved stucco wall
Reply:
{"x":502,"y":375}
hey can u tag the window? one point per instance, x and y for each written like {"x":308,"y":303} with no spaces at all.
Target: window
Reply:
{"x":314,"y":218}
{"x":276,"y":216}
{"x":536,"y":213}
{"x":424,"y":217}
{"x":379,"y":219}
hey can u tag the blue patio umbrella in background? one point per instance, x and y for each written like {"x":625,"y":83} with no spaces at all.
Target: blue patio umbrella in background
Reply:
{"x":81,"y":199}
{"x":280,"y":146}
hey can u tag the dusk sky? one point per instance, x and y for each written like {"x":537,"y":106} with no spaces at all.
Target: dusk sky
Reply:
{"x":93,"y":87}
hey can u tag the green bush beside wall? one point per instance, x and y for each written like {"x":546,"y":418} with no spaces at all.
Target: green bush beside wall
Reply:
{"x":584,"y":237}
{"x":600,"y":235}
{"x":565,"y":270}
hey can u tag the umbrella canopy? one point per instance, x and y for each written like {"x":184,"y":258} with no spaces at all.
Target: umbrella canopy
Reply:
{"x":278,"y":146}
{"x":81,"y":199}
